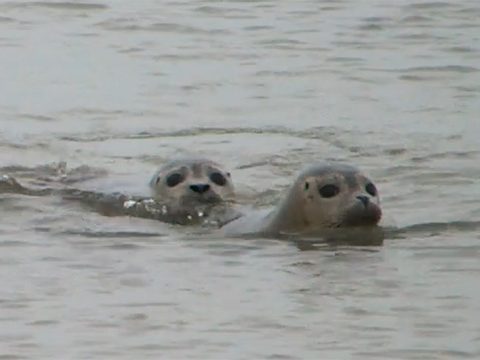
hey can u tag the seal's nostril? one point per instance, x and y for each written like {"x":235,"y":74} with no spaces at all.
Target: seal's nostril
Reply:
{"x":364,"y":199}
{"x":200,"y":188}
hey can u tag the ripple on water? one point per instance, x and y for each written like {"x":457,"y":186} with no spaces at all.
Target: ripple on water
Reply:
{"x":12,"y":356}
{"x":5,"y":19}
{"x":57,"y":5}
{"x":417,"y":354}
{"x":434,"y":5}
{"x":112,"y":234}
{"x":124,"y":24}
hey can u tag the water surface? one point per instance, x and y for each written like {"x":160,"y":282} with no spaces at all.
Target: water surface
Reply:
{"x":264,"y":87}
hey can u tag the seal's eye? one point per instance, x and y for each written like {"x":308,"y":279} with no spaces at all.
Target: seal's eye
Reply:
{"x":174,"y":179}
{"x":371,"y":189}
{"x":307,"y":185}
{"x":218,"y":178}
{"x":329,"y":190}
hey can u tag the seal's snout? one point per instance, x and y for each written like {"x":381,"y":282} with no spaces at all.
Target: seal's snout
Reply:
{"x":364,"y":199}
{"x":200,"y":188}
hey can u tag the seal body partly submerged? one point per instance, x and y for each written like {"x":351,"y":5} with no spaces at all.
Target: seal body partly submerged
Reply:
{"x":324,"y":196}
{"x":184,"y":192}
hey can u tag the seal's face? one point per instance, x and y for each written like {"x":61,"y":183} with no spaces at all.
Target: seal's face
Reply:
{"x":192,"y":181}
{"x":338,"y":196}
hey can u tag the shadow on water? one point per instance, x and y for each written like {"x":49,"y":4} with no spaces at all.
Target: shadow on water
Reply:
{"x":330,"y":239}
{"x":326,"y":240}
{"x":433,"y":228}
{"x":368,"y":238}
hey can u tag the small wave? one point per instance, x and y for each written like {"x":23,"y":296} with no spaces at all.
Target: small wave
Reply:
{"x":37,"y":117}
{"x":112,"y":234}
{"x":60,"y":5}
{"x":440,"y":5}
{"x":4,"y":19}
{"x":129,"y":25}
{"x":13,"y":243}
{"x":312,"y":133}
{"x":414,"y":19}
{"x":437,"y":227}
{"x":444,"y":69}
{"x":54,"y":172}
{"x":446,"y":155}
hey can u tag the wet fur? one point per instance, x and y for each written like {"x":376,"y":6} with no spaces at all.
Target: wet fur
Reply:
{"x":195,"y":171}
{"x":304,"y":210}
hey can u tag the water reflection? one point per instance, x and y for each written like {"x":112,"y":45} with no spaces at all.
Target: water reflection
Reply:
{"x":331,"y":239}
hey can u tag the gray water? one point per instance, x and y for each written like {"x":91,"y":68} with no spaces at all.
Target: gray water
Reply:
{"x":264,"y":87}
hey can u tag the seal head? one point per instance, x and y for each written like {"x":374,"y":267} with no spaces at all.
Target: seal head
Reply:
{"x":188,"y":182}
{"x":327,"y":195}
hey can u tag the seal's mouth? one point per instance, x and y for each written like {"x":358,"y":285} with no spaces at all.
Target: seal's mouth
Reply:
{"x":360,"y":215}
{"x":209,"y":197}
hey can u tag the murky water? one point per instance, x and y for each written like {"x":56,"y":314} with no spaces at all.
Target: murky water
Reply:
{"x":264,"y":87}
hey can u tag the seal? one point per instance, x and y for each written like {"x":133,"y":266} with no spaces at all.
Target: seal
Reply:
{"x":324,"y":196}
{"x":191,"y":181}
{"x":185,"y":191}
